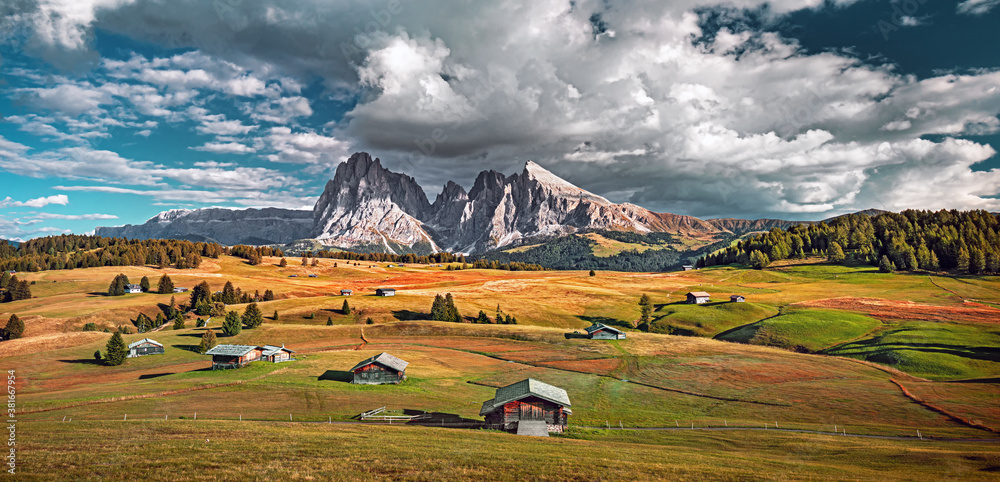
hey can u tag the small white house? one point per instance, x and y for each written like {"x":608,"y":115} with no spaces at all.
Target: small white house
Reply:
{"x":133,"y":289}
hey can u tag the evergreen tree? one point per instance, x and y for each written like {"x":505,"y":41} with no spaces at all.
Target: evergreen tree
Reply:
{"x":144,"y":284}
{"x":511,"y":320}
{"x":232,"y":326}
{"x":835,"y":254}
{"x":159,"y":320}
{"x":645,"y":310}
{"x":268,"y":295}
{"x":97,"y":355}
{"x":201,"y":293}
{"x":179,"y":322}
{"x":369,"y":321}
{"x":977,"y":262}
{"x":592,"y":273}
{"x":934,"y":265}
{"x":346,"y":309}
{"x":482,"y":318}
{"x":172,"y":309}
{"x":315,"y":262}
{"x":252,"y":317}
{"x":15,"y":327}
{"x":452,"y":312}
{"x":438,"y":309}
{"x":4,"y":280}
{"x":218,"y":308}
{"x":329,"y":321}
{"x":166,"y":285}
{"x":759,"y":260}
{"x":499,"y":317}
{"x":886,"y":266}
{"x":962,"y":261}
{"x":911,"y":261}
{"x":305,"y":262}
{"x":207,"y":341}
{"x":115,"y":351}
{"x":117,"y":287}
{"x":283,"y":263}
{"x":275,"y":317}
{"x":229,"y":294}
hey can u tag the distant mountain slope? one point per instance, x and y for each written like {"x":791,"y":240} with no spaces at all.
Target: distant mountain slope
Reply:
{"x":366,"y":207}
{"x":225,"y":226}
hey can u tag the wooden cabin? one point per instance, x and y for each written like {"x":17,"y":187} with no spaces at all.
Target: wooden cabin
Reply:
{"x":144,"y":347}
{"x":233,"y":356}
{"x":346,"y":292}
{"x":130,"y":288}
{"x":380,"y":369}
{"x":385,"y":292}
{"x":600,"y":331}
{"x":687,"y":267}
{"x":276,"y":354}
{"x":528,"y":407}
{"x":698,"y":297}
{"x":737,"y":299}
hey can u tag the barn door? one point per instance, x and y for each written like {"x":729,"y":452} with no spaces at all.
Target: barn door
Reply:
{"x":532,"y":411}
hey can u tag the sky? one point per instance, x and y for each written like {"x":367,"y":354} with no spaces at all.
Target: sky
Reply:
{"x":115,"y":110}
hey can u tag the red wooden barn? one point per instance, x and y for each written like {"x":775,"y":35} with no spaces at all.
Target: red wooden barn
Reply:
{"x":528,"y":407}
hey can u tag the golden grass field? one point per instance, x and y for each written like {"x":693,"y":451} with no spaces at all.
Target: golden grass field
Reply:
{"x":71,"y":410}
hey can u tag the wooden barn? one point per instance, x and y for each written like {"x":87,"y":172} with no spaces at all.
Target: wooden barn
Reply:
{"x":737,"y":299}
{"x":687,"y":267}
{"x":276,"y":354}
{"x":528,"y":407}
{"x":144,"y":347}
{"x":346,"y":292}
{"x":385,"y":292}
{"x":233,"y":356}
{"x":600,"y":331}
{"x":698,"y":297}
{"x":379,"y":370}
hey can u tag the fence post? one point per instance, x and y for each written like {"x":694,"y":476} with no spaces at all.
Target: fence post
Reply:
{"x":126,"y":416}
{"x":196,"y":415}
{"x":726,"y":422}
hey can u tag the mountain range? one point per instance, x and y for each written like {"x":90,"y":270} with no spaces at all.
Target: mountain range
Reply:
{"x":366,"y":207}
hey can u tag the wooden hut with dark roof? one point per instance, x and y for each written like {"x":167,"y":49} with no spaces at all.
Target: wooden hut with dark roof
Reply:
{"x":144,"y":347}
{"x":600,"y":331}
{"x":528,"y":407}
{"x":698,"y":297}
{"x":276,"y":354}
{"x":233,"y":356}
{"x":379,"y":370}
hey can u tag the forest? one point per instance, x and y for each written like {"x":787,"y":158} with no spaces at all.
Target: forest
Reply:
{"x":71,"y":251}
{"x":966,"y":242}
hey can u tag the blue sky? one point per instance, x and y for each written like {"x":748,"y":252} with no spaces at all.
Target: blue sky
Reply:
{"x":115,"y":110}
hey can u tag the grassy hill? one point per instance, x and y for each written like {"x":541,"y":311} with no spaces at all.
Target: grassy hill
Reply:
{"x":866,"y":327}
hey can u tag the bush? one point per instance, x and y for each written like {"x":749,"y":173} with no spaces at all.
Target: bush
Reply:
{"x":97,"y":355}
{"x":90,"y":327}
{"x":369,"y":321}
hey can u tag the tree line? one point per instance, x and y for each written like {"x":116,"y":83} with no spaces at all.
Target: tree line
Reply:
{"x":72,"y":251}
{"x":13,"y":289}
{"x":967,"y":242}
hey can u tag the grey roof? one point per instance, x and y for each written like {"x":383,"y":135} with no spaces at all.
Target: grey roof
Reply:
{"x":144,"y":340}
{"x":271,"y":349}
{"x":384,"y":359}
{"x":525,"y":388}
{"x":231,"y":350}
{"x":700,"y":294}
{"x":133,"y":287}
{"x":737,"y":296}
{"x":345,"y":290}
{"x":602,"y":326}
{"x":386,"y":289}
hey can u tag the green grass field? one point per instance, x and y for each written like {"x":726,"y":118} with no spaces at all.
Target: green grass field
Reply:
{"x":751,"y":376}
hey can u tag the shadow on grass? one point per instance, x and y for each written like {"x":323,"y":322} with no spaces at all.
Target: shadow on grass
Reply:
{"x":336,"y":376}
{"x":153,"y":375}
{"x":193,"y":348}
{"x":604,"y":320}
{"x":439,"y":419}
{"x":84,"y":361}
{"x":407,"y":315}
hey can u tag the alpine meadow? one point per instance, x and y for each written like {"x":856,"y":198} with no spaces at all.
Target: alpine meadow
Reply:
{"x":520,"y":240}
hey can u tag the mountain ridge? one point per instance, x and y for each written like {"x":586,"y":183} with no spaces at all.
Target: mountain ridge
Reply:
{"x":367,"y":207}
